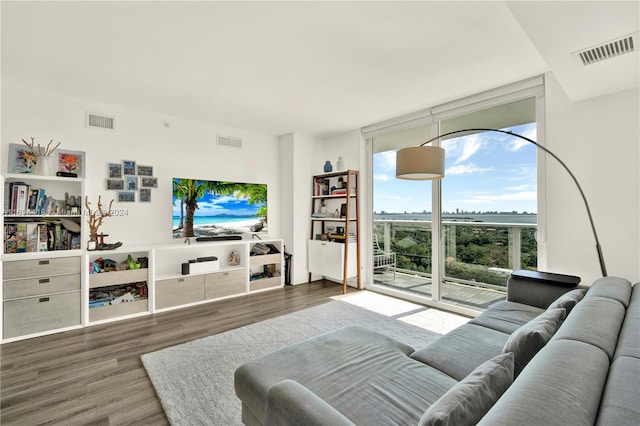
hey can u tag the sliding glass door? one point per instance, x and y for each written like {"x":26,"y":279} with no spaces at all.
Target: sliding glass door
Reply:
{"x":454,"y":241}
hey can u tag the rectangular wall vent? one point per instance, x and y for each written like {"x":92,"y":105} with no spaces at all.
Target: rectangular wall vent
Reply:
{"x":230,"y":141}
{"x":608,"y":50}
{"x":100,"y":121}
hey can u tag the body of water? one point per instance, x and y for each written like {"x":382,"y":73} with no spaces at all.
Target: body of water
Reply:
{"x":216,"y":220}
{"x":491,"y":218}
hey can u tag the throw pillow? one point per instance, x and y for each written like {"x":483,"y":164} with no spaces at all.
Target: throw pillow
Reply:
{"x":470,"y":399}
{"x":568,"y":300}
{"x":526,"y":341}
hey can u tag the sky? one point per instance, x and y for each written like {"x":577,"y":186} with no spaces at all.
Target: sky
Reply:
{"x":215,"y":205}
{"x":487,"y":171}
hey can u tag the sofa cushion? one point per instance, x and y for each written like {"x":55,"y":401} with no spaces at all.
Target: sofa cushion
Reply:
{"x":595,"y":320}
{"x":612,"y":288}
{"x":619,"y":405}
{"x":526,"y":341}
{"x":460,"y":351}
{"x":366,"y":376}
{"x":507,"y":316}
{"x":468,"y":401}
{"x":562,"y":385}
{"x":629,"y":340}
{"x":288,"y":402}
{"x":568,"y":300}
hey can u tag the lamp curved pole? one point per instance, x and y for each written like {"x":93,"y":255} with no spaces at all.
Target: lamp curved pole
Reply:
{"x":603,"y":268}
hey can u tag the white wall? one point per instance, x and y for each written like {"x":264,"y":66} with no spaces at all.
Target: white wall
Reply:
{"x":185,"y":148}
{"x":352,"y":148}
{"x":598,"y":139}
{"x":300,"y":159}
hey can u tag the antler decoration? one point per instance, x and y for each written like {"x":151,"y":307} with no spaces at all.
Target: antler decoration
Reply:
{"x":43,"y":152}
{"x":97,"y":216}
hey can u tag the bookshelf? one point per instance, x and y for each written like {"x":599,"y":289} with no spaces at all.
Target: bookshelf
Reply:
{"x":334,"y":243}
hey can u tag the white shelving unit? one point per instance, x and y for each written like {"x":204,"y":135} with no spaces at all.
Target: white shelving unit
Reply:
{"x":334,"y":244}
{"x":132,"y":281}
{"x":41,"y":258}
{"x":45,"y":292}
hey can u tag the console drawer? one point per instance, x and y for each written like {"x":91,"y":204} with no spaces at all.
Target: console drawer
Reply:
{"x":179,"y":291}
{"x":41,"y":267}
{"x":42,"y":285}
{"x":225,"y":283}
{"x":41,"y":313}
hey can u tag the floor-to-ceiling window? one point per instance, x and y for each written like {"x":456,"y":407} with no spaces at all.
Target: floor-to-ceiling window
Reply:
{"x":455,"y":241}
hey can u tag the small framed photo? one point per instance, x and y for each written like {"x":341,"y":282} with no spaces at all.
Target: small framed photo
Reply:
{"x":131,"y":183}
{"x":145,"y":195}
{"x":115,"y":170}
{"x":115,"y":184}
{"x":70,"y":161}
{"x":343,"y":210}
{"x":129,"y":167}
{"x":21,"y":159}
{"x":127,"y":196}
{"x":148,"y":182}
{"x":145,"y":170}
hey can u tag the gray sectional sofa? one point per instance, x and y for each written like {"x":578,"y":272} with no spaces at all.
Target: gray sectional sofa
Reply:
{"x":550,"y":354}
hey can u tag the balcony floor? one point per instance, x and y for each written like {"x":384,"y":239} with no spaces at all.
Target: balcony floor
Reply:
{"x":452,"y":292}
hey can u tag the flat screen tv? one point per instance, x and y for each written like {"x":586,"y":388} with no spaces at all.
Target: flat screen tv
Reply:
{"x":206,"y":208}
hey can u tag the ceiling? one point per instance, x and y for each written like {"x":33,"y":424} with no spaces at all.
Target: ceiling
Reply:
{"x":317,"y":68}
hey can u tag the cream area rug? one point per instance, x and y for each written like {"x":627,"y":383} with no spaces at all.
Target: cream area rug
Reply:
{"x":194,"y":381}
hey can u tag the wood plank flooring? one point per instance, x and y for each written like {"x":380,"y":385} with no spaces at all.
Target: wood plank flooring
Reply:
{"x":94,"y":376}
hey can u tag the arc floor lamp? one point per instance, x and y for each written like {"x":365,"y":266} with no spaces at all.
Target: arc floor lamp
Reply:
{"x":427,"y":163}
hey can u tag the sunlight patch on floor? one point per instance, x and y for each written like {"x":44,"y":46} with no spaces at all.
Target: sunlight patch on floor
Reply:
{"x":412,"y":313}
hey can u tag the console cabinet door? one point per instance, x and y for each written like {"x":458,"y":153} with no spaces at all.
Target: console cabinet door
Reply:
{"x":179,"y":291}
{"x":226,"y":283}
{"x":41,"y":313}
{"x":326,"y":258}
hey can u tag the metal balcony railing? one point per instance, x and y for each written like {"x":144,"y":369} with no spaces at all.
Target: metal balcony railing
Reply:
{"x":478,"y":255}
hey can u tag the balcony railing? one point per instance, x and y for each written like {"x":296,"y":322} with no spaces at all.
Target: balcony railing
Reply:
{"x":478,"y":257}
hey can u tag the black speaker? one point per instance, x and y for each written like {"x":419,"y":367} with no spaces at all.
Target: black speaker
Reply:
{"x":185,"y":269}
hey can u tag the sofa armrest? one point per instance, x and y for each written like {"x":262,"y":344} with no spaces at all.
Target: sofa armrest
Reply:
{"x":290,"y":403}
{"x":540,"y":289}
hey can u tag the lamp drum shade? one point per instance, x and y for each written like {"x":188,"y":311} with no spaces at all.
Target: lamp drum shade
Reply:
{"x":420,"y":163}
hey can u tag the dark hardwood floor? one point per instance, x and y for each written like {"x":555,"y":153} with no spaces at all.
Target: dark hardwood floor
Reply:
{"x":94,"y":376}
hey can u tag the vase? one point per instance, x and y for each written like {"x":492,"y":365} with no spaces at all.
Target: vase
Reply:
{"x":328,"y":167}
{"x":42,"y":166}
{"x":340,"y":165}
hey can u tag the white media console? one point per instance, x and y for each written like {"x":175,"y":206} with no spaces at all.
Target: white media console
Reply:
{"x":49,"y":292}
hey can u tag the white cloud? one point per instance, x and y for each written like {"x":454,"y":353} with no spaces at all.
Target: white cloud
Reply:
{"x":470,"y":145}
{"x":382,"y":177}
{"x":492,"y":198}
{"x":465,"y":169}
{"x":385,"y":161}
{"x":523,"y":187}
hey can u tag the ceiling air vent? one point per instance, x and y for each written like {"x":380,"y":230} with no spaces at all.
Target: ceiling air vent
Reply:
{"x":100,"y":121}
{"x":230,"y":141}
{"x":608,"y":50}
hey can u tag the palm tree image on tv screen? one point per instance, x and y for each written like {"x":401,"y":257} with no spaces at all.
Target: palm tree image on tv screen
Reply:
{"x":204,"y":208}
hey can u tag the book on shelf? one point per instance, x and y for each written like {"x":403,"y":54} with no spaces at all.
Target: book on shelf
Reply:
{"x":26,"y":237}
{"x":21,"y":199}
{"x":321,"y":186}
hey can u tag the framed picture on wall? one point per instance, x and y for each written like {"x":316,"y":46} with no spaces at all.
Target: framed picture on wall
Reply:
{"x":115,"y":184}
{"x":129,"y":167}
{"x":145,"y":170}
{"x":145,"y":195}
{"x":70,"y":161}
{"x":148,"y":182}
{"x":115,"y":170}
{"x":127,"y":196}
{"x":21,"y":159}
{"x":131,"y":183}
